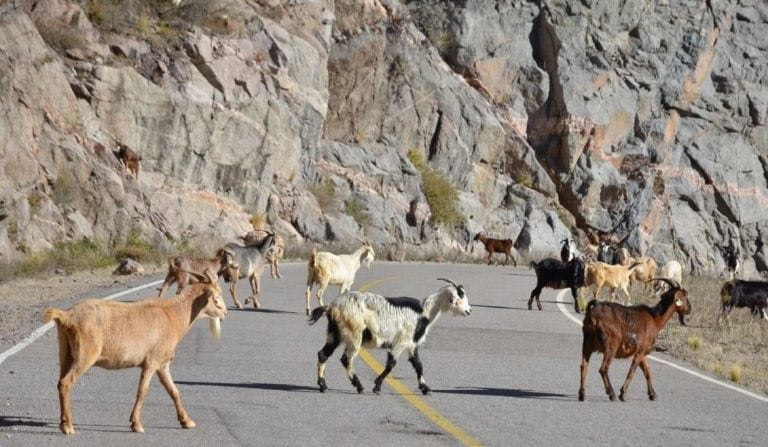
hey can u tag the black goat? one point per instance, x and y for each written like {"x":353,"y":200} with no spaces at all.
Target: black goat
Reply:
{"x":740,"y":293}
{"x":557,"y":275}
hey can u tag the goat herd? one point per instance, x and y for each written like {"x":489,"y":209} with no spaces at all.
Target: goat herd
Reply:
{"x":144,"y":334}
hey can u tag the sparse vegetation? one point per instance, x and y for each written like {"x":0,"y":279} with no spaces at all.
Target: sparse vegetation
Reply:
{"x":68,"y":256}
{"x":357,"y":210}
{"x":136,"y":248}
{"x":736,"y":373}
{"x":442,"y":196}
{"x":524,"y":178}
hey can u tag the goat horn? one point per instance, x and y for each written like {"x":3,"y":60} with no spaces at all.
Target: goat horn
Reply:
{"x":449,"y":282}
{"x":672,"y":283}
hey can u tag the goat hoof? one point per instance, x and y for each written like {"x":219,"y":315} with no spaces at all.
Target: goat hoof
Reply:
{"x":137,"y":428}
{"x":189,"y":423}
{"x":322,"y":385}
{"x":581,"y":396}
{"x":621,"y":397}
{"x":425,"y":390}
{"x":612,"y":397}
{"x":377,"y":390}
{"x":652,"y":396}
{"x":67,"y":429}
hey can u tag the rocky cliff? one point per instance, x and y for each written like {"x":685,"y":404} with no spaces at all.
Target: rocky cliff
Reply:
{"x":645,"y":120}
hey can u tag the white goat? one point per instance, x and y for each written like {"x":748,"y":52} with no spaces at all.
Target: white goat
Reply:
{"x":396,"y":324}
{"x":671,"y":270}
{"x":327,"y":268}
{"x":115,"y":335}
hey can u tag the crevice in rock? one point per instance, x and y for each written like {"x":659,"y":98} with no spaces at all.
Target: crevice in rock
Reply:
{"x":433,"y":143}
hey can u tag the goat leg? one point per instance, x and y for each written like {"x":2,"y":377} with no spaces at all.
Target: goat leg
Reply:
{"x":164,"y":374}
{"x":630,"y":376}
{"x":647,"y":372}
{"x":416,"y":362}
{"x":346,"y":360}
{"x":391,"y":362}
{"x":233,"y":290}
{"x":141,"y":395}
{"x":604,"y":374}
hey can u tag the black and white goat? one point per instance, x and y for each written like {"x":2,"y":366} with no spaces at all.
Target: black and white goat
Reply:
{"x":750,"y":294}
{"x":568,"y":251}
{"x":557,"y":275}
{"x":364,"y":319}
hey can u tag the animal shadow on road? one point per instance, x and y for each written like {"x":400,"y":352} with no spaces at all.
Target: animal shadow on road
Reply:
{"x":265,"y":311}
{"x":47,"y":427}
{"x":505,"y":392}
{"x":257,"y":386}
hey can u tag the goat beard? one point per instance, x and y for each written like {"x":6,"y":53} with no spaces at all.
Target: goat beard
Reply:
{"x":215,"y":325}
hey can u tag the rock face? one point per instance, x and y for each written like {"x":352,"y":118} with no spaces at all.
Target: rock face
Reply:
{"x":646,"y":122}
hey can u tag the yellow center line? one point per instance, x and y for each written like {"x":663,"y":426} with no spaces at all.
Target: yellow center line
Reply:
{"x":409,"y":395}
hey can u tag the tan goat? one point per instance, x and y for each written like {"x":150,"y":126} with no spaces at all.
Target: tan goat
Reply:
{"x":645,"y":271}
{"x":115,"y":335}
{"x":599,"y":274}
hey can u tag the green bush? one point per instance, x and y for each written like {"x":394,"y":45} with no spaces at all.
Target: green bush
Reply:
{"x":442,"y":196}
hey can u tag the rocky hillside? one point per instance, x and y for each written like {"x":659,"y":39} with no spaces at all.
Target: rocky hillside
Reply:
{"x":644,"y":120}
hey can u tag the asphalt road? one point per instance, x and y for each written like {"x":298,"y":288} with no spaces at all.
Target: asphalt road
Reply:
{"x":501,"y":376}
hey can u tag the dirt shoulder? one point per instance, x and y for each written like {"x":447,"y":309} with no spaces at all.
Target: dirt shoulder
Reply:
{"x":23,"y":301}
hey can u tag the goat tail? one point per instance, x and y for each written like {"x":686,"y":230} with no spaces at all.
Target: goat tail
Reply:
{"x":53,"y":314}
{"x":317,"y":313}
{"x":533,"y":265}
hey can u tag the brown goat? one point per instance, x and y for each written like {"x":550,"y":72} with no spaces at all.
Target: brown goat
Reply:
{"x":128,"y":158}
{"x":625,"y":331}
{"x":116,"y":335}
{"x":505,"y":246}
{"x":180,"y":268}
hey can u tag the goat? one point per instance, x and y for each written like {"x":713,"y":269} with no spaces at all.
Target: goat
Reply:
{"x":623,"y":331}
{"x":326,"y":268}
{"x":396,"y":324}
{"x":179,"y":268}
{"x":116,"y":335}
{"x":606,"y":253}
{"x":128,"y":158}
{"x":557,"y":275}
{"x":568,"y":251}
{"x":248,"y":263}
{"x":273,"y":257}
{"x":671,"y":270}
{"x":644,"y":272}
{"x":741,"y":293}
{"x":599,"y":274}
{"x":505,"y":246}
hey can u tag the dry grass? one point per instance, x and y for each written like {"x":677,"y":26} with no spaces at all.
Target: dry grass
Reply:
{"x":735,"y":351}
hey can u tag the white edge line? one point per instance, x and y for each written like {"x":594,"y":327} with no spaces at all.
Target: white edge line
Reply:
{"x":567,"y":313}
{"x":44,"y":328}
